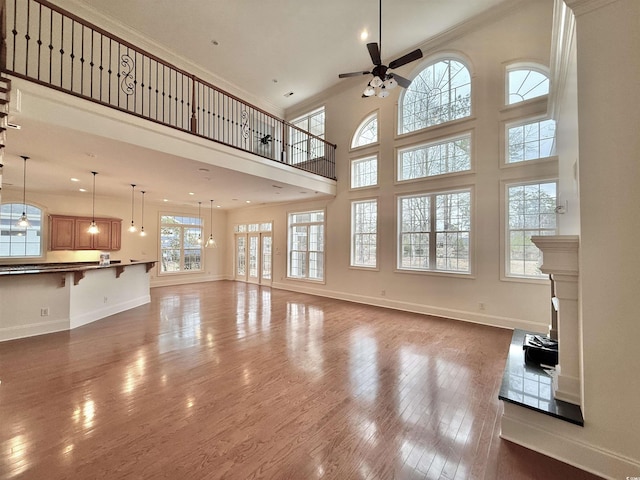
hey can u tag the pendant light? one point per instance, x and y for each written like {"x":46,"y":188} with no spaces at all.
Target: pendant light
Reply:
{"x":200,"y":223}
{"x":142,"y":232}
{"x":132,"y":228}
{"x":23,"y":222}
{"x":93,"y":228}
{"x":211,"y":243}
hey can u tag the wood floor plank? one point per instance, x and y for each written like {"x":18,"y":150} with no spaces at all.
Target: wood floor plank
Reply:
{"x":226,"y":380}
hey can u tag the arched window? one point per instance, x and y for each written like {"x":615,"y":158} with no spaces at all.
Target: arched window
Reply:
{"x":525,"y":83}
{"x":16,"y":242}
{"x":439,"y":94}
{"x":367,"y":132}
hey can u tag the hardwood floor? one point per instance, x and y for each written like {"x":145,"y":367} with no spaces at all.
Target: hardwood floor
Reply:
{"x":236,"y":381}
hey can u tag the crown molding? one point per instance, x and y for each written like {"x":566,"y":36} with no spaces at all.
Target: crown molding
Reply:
{"x":582,"y":7}
{"x":563,"y":31}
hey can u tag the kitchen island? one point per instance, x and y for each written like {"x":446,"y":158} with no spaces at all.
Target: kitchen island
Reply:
{"x":49,"y":297}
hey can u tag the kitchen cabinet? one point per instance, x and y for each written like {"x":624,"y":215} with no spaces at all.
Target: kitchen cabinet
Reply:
{"x":71,"y":233}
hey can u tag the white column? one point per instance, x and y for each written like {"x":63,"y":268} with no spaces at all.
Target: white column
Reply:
{"x":560,"y":261}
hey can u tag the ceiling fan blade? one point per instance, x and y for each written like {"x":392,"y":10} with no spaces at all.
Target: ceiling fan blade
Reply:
{"x":408,"y":58}
{"x":403,"y":82}
{"x":353,"y":74}
{"x":374,"y":52}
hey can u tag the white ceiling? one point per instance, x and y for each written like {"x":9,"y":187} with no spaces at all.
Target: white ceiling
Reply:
{"x":301,"y":44}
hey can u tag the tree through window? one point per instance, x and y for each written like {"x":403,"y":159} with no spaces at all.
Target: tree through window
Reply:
{"x":439,"y":94}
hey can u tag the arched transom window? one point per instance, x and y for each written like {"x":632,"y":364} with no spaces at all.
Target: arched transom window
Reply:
{"x":439,"y":94}
{"x":525,"y":84}
{"x":367,"y":132}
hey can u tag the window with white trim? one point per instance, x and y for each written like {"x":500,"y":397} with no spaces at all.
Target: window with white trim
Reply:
{"x":180,"y":244}
{"x":364,"y":233}
{"x":435,"y":158}
{"x":367,"y":132}
{"x":306,"y":245}
{"x":530,"y":211}
{"x":364,"y":172}
{"x":525,"y":84}
{"x":530,"y":140}
{"x":20,"y":242}
{"x":304,"y":147}
{"x":440,"y":93}
{"x":434,"y":231}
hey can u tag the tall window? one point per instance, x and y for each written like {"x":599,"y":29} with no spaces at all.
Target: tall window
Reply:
{"x":525,"y":84}
{"x":531,"y":140}
{"x":364,"y":233}
{"x":437,"y":158}
{"x":367,"y":132}
{"x":304,"y":147}
{"x":306,"y":245}
{"x":16,"y":242}
{"x":434,"y":232}
{"x":364,"y":172}
{"x":439,"y":94}
{"x":180,"y":244}
{"x":530,"y":211}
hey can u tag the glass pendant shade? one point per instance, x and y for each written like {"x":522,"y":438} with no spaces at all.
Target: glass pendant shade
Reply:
{"x":211,"y":243}
{"x":383,"y":93}
{"x":200,"y":221}
{"x":369,"y":91}
{"x":23,"y":221}
{"x":142,"y":232}
{"x":390,"y":83}
{"x":375,"y":81}
{"x":133,"y":227}
{"x":93,"y":228}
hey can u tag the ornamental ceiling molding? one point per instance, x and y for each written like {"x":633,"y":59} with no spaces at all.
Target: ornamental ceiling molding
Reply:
{"x":582,"y":7}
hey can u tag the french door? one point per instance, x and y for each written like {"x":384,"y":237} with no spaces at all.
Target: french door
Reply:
{"x":253,"y":257}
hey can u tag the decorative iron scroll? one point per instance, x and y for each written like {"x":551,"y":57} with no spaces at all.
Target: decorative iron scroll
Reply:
{"x":126,"y":85}
{"x":245,"y":125}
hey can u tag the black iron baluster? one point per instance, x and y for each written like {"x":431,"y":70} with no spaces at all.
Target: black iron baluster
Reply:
{"x":61,"y":50}
{"x":27,"y":37}
{"x":82,"y":61}
{"x":157,"y":68}
{"x":50,"y":45}
{"x":15,"y":33}
{"x":101,"y":63}
{"x":73,"y":55}
{"x":142,"y":89}
{"x":163,"y":93}
{"x":39,"y":37}
{"x":91,"y":64}
{"x":170,"y":91}
{"x":149,"y":87}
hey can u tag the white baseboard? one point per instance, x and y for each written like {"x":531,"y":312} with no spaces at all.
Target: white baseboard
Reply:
{"x":561,"y":440}
{"x":93,"y":315}
{"x":169,"y":280}
{"x":33,"y":329}
{"x":484,"y":319}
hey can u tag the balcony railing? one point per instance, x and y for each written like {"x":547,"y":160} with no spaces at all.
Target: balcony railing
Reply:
{"x":50,"y":46}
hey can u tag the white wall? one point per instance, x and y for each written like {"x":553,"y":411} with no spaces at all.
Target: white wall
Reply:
{"x":512,"y":37}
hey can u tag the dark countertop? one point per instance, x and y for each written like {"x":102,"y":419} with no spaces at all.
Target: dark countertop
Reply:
{"x":66,"y":267}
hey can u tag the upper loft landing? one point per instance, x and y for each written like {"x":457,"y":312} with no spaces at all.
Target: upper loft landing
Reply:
{"x":49,"y":46}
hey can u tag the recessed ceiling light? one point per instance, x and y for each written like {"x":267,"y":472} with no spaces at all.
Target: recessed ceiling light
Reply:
{"x":364,"y":35}
{"x":165,"y":199}
{"x":218,"y":206}
{"x":74,"y":179}
{"x":247,"y":201}
{"x":191,"y":193}
{"x":82,"y":189}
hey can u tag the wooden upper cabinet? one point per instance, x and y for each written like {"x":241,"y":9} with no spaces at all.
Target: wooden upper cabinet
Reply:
{"x":71,"y":233}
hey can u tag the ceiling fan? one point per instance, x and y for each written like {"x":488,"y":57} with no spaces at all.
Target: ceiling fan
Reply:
{"x":383,"y":80}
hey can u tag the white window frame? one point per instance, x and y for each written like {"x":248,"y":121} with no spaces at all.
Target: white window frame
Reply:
{"x":303,"y":122}
{"x":355,"y":162}
{"x":432,"y":233}
{"x":368,"y":120}
{"x":506,"y":242}
{"x":532,"y":67}
{"x":182,"y":227}
{"x":10,"y":222}
{"x":505,"y":146}
{"x":434,"y":61}
{"x":357,"y":234}
{"x":435,"y":143}
{"x":321,"y":252}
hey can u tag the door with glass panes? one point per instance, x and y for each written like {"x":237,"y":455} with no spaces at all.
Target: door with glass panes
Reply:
{"x":253,"y":257}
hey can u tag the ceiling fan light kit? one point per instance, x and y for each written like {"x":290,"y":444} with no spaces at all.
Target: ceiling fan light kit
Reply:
{"x":383,"y":80}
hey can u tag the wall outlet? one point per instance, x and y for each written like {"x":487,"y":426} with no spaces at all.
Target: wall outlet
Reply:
{"x":44,"y":312}
{"x":105,"y":299}
{"x":481,"y":305}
